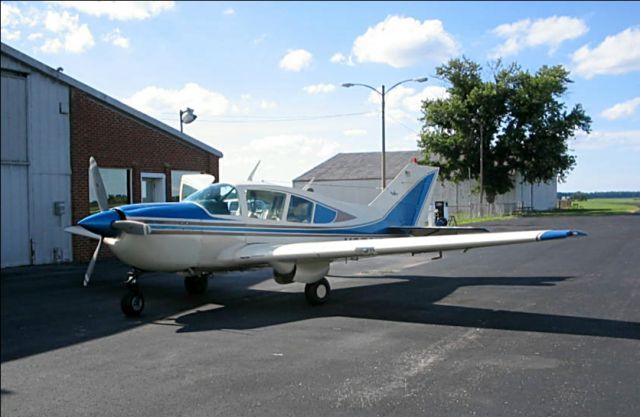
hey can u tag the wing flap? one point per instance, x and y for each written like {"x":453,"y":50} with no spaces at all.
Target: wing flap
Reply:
{"x":437,"y":231}
{"x":388,"y":246}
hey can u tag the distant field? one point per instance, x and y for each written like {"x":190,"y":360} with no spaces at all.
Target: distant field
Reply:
{"x":606,"y":206}
{"x":592,"y":207}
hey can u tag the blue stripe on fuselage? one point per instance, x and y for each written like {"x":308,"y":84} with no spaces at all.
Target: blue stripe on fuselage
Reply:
{"x":182,"y":210}
{"x":403,"y":213}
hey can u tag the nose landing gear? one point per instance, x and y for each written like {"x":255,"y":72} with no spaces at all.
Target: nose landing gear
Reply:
{"x":132,"y":302}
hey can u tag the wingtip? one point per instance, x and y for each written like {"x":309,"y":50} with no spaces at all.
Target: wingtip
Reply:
{"x":560,"y":234}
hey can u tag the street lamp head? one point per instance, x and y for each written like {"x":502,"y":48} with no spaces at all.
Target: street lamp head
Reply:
{"x":347,"y":85}
{"x":421,"y":80}
{"x":187,"y":116}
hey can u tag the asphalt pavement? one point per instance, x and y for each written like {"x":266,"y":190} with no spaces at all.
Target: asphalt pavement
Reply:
{"x":538,"y":329}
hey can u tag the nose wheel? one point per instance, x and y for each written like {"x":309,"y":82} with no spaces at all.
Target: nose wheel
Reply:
{"x":132,"y":302}
{"x":318,"y":292}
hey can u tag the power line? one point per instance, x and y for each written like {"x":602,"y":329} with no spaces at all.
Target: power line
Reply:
{"x":258,"y":119}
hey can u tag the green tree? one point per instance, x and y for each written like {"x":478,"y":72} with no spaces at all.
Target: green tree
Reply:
{"x":579,"y":196}
{"x":519,"y":117}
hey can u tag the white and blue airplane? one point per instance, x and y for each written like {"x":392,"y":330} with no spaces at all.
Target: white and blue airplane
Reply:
{"x":296,"y":232}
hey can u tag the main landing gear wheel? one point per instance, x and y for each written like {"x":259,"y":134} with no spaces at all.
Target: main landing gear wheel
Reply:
{"x":132,"y":303}
{"x":196,"y":284}
{"x":318,"y":292}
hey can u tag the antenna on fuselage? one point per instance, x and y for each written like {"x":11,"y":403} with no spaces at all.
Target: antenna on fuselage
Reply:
{"x":253,"y":171}
{"x":307,"y":186}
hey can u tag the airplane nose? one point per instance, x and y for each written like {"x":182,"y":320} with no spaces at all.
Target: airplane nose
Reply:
{"x":100,"y":223}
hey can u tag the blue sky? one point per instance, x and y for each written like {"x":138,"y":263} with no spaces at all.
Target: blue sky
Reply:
{"x":264,"y":78}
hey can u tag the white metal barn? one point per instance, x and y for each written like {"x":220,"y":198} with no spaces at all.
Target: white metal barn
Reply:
{"x":36,"y":173}
{"x":355,"y":177}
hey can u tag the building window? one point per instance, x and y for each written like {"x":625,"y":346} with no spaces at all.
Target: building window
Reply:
{"x":117,"y":182}
{"x":300,"y":210}
{"x":265,"y":205}
{"x":176,"y":177}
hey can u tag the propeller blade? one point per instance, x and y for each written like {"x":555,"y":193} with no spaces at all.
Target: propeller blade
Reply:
{"x":92,"y":264}
{"x":81,"y":231}
{"x":95,"y":179}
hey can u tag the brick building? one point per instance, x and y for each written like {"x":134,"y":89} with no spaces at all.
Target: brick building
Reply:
{"x":51,"y":125}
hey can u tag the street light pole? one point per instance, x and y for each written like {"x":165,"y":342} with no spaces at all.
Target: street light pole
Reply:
{"x":186,"y":117}
{"x":481,"y":169}
{"x":479,"y":123}
{"x":384,"y":158}
{"x":383,"y":94}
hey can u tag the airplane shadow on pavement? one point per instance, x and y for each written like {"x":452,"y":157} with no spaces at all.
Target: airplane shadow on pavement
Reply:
{"x":412,"y":300}
{"x":41,"y":313}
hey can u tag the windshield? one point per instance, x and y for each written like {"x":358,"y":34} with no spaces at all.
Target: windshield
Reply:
{"x":217,"y":199}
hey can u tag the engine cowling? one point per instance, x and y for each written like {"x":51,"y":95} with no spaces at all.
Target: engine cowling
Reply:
{"x":305,"y":272}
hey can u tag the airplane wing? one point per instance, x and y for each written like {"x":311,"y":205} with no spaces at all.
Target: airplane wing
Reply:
{"x":329,"y":250}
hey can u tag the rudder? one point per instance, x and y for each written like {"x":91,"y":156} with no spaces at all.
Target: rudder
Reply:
{"x":404,"y":201}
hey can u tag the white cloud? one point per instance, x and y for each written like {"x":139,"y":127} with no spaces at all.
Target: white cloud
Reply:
{"x":354,"y":132}
{"x":617,"y":54}
{"x":10,"y":35}
{"x":78,"y":40}
{"x":401,"y":42}
{"x":11,"y":16}
{"x":296,"y":60}
{"x":413,"y":103}
{"x":115,"y":38}
{"x":267,"y":104}
{"x":35,"y":36}
{"x":621,"y":110}
{"x":260,"y":39}
{"x":629,"y":139}
{"x":60,"y":22}
{"x":229,"y":12}
{"x":404,"y":103}
{"x":338,"y":58}
{"x":119,"y":10}
{"x":52,"y":46}
{"x":283,"y":156}
{"x":72,"y":36}
{"x":157,"y":101}
{"x":551,"y":32}
{"x":320,"y":88}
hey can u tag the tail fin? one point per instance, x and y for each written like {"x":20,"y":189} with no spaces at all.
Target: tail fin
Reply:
{"x":404,"y":201}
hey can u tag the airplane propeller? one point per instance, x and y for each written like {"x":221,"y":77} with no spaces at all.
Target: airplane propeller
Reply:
{"x":95,"y":179}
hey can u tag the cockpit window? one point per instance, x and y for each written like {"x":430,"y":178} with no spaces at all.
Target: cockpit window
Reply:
{"x":324,"y":214}
{"x":217,"y":199}
{"x":300,"y":210}
{"x":265,"y":205}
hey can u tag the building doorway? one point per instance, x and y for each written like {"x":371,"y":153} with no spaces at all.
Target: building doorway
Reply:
{"x":153,"y":187}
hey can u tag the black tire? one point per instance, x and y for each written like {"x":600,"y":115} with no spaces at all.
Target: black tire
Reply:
{"x":318,"y":292}
{"x":132,"y":303}
{"x":196,"y":284}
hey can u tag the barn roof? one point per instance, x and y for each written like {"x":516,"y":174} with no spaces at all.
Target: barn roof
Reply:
{"x":359,"y":166}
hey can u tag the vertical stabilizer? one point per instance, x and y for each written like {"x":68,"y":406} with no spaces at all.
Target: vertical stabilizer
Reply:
{"x":405,"y":200}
